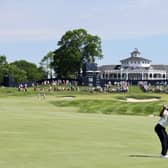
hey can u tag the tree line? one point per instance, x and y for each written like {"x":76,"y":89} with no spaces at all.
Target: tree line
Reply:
{"x":20,"y":71}
{"x":74,"y":49}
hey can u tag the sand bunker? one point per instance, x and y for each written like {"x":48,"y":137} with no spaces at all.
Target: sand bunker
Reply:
{"x":141,"y":100}
{"x":68,"y":97}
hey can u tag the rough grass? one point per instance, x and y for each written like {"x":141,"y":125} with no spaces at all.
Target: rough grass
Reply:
{"x":111,"y":107}
{"x":106,"y":103}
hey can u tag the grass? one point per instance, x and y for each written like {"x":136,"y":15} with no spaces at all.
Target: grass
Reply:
{"x":115,"y":103}
{"x":86,"y":102}
{"x":52,"y":133}
{"x":111,"y":107}
{"x":38,"y":134}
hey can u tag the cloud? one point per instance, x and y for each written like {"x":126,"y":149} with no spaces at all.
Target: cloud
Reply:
{"x":44,"y":20}
{"x":26,"y":34}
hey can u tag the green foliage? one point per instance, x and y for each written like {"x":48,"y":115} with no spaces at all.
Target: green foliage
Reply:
{"x":66,"y":62}
{"x":46,"y":65}
{"x":32,"y":71}
{"x":16,"y":73}
{"x":20,"y":71}
{"x":46,"y":58}
{"x":3,"y":60}
{"x":75,"y":48}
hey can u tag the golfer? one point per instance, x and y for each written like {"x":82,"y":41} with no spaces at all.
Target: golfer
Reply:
{"x":160,"y":129}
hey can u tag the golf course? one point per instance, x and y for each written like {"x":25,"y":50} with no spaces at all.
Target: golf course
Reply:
{"x":80,"y":129}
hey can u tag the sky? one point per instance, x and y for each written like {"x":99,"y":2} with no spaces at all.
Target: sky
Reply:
{"x":29,"y":29}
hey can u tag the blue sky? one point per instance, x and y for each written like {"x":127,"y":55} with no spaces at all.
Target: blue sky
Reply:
{"x":29,"y":29}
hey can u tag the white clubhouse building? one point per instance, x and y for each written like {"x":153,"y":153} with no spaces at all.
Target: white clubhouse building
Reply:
{"x":133,"y":68}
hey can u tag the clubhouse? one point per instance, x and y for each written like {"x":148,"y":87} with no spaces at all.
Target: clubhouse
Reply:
{"x":134,"y":68}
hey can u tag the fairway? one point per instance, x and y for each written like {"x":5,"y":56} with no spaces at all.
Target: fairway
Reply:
{"x":38,"y":134}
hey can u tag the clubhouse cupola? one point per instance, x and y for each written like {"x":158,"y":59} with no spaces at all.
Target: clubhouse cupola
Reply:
{"x":135,"y":61}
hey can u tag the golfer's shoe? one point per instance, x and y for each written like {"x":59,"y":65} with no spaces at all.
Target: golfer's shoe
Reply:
{"x":164,"y":156}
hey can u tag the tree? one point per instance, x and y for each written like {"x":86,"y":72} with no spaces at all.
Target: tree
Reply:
{"x":32,"y":71}
{"x":14,"y":72}
{"x":3,"y":60}
{"x":20,"y":71}
{"x":46,"y":64}
{"x":75,"y":48}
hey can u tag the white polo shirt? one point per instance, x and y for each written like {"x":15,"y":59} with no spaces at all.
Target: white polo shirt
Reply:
{"x":164,"y":119}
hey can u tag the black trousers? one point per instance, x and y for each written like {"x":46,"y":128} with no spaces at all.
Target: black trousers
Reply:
{"x":162,"y":134}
